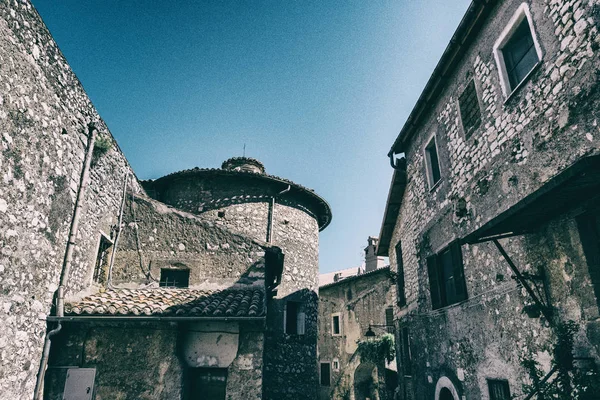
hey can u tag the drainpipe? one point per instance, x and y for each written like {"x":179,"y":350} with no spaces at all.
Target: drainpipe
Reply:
{"x":66,"y":266}
{"x":118,"y":235}
{"x":272,"y":213}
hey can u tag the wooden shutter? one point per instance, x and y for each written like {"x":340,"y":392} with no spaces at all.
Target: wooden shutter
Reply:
{"x":301,"y":323}
{"x":459,"y":273}
{"x":389,"y":319}
{"x":401,"y":296}
{"x":434,"y":282}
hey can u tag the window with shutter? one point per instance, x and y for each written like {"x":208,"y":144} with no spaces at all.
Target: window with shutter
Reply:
{"x":446,"y":277}
{"x":400,"y":277}
{"x":434,"y":284}
{"x":499,"y":389}
{"x":389,"y":319}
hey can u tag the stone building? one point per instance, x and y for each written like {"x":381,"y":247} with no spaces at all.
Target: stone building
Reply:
{"x":349,"y":306}
{"x":207,"y":285}
{"x":492,"y":221}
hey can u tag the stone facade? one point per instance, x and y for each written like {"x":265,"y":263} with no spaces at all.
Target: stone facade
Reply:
{"x":44,"y":113}
{"x":266,"y":208}
{"x":140,"y":338}
{"x":527,"y":142}
{"x":358,"y":302}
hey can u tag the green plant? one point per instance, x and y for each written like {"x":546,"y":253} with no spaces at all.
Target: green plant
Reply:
{"x":101,"y":146}
{"x":568,"y":383}
{"x":378,"y":350}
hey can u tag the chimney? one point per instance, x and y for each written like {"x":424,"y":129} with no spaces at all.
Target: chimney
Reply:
{"x":372,"y":262}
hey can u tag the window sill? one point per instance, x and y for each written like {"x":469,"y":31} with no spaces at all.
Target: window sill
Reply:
{"x":435,"y":186}
{"x":523,"y":82}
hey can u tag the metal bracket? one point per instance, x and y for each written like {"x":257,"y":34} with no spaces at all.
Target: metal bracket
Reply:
{"x":525,"y":279}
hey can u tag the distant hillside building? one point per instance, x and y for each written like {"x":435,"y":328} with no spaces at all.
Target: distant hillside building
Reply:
{"x":492,"y":222}
{"x":205,"y":285}
{"x":349,"y":306}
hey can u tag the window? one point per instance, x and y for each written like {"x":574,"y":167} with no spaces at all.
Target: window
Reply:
{"x":325,"y":374}
{"x":293,"y":318}
{"x":102,"y":260}
{"x":206,"y":383}
{"x":517,"y":50}
{"x":470,"y":113}
{"x":499,"y":389}
{"x":401,"y":296}
{"x":446,"y":277}
{"x":174,"y":278}
{"x":406,"y":356}
{"x":589,"y":234}
{"x":335,"y":325}
{"x":335,"y":364}
{"x":432,"y":163}
{"x":389,"y":319}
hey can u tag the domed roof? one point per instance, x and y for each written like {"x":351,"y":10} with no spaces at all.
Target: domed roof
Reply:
{"x":251,"y":168}
{"x":245,"y":164}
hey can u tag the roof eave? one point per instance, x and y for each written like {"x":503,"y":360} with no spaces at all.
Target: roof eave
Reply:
{"x":467,"y":28}
{"x":147,"y":318}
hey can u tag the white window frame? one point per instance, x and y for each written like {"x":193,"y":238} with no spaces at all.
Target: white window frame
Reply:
{"x":427,"y":159}
{"x":339,"y":315}
{"x":335,"y":364}
{"x":520,"y":14}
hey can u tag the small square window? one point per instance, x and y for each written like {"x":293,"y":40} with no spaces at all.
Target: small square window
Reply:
{"x":432,"y":163}
{"x":517,"y":50}
{"x":470,"y":113}
{"x":335,"y":364}
{"x":336,"y":329}
{"x":174,"y":278}
{"x":325,"y":374}
{"x":446,"y":277}
{"x":499,"y":389}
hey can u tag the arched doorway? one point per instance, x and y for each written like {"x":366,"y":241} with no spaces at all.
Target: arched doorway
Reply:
{"x":445,"y":390}
{"x":366,"y":382}
{"x":446,"y":394}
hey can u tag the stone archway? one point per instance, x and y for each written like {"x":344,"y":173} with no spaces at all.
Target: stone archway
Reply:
{"x":445,"y":390}
{"x":366,"y":382}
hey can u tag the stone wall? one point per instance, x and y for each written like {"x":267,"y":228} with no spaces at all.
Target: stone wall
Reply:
{"x":546,"y":125}
{"x":44,"y":113}
{"x":242,"y":204}
{"x":157,"y":236}
{"x":360,"y":301}
{"x":144,"y":361}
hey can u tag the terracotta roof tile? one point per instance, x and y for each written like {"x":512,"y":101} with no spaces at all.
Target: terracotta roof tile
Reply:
{"x":237,"y":302}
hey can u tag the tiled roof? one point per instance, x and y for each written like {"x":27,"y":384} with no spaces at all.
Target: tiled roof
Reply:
{"x":172,"y":302}
{"x":354,"y":277}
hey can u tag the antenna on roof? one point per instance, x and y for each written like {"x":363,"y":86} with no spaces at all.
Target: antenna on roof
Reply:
{"x":244,"y":149}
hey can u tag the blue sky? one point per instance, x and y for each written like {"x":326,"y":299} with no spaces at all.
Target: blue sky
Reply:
{"x":317,"y":90}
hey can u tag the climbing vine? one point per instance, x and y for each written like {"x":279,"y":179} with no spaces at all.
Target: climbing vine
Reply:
{"x":378,"y":350}
{"x":568,"y":383}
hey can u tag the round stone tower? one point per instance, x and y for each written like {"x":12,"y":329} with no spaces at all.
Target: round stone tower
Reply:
{"x":241,"y":197}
